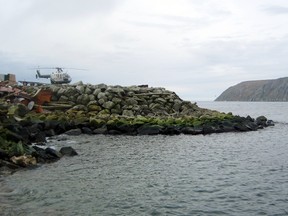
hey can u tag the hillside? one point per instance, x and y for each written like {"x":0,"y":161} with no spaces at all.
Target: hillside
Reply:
{"x":258,"y":90}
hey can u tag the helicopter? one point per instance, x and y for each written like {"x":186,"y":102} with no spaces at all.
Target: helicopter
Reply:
{"x":56,"y":77}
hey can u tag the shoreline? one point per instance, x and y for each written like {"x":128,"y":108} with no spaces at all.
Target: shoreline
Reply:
{"x":101,"y":109}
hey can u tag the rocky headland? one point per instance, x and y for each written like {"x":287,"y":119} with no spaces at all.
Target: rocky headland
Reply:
{"x":101,"y":109}
{"x":257,"y":90}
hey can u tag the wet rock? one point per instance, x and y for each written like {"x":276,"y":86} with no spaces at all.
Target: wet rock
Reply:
{"x":101,"y":130}
{"x":209,"y":129}
{"x":127,"y":129}
{"x":50,"y":133}
{"x":149,"y":129}
{"x":86,"y":130}
{"x":171,"y":130}
{"x":41,"y":155}
{"x":241,"y":127}
{"x":270,"y":123}
{"x":251,"y":126}
{"x":114,"y":132}
{"x":74,"y":132}
{"x":68,"y":151}
{"x":261,"y":121}
{"x":10,"y":165}
{"x":53,"y":152}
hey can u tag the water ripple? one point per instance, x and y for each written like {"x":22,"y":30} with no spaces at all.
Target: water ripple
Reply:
{"x":219,"y":174}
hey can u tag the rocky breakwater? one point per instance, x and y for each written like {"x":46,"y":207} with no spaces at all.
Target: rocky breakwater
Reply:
{"x":135,"y":110}
{"x":102,"y":109}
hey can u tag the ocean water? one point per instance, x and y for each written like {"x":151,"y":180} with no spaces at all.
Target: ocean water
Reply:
{"x":217,"y":174}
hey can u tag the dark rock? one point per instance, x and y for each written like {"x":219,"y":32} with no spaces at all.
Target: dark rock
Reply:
{"x":13,"y":136}
{"x":127,"y":129}
{"x":68,"y":151}
{"x":261,"y":121}
{"x":114,"y":132}
{"x":147,"y":129}
{"x":40,"y":137}
{"x":240,"y":127}
{"x":251,"y":126}
{"x":270,"y":123}
{"x":192,"y":130}
{"x":226,"y":126}
{"x":50,"y":133}
{"x":25,"y":134}
{"x":102,"y":130}
{"x":34,"y":129}
{"x":208,"y":129}
{"x":51,"y":124}
{"x":86,"y":130}
{"x":42,"y":156}
{"x":61,"y":128}
{"x":9,"y":165}
{"x":53,"y":152}
{"x":171,"y":130}
{"x":74,"y":132}
{"x":3,"y":154}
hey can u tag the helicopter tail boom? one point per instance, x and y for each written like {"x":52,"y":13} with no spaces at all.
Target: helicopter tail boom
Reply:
{"x":41,"y":75}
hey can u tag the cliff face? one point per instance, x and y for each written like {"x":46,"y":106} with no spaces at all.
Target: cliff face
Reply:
{"x":259,"y":90}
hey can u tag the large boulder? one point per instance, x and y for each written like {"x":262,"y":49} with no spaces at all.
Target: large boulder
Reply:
{"x":261,"y":121}
{"x":68,"y":151}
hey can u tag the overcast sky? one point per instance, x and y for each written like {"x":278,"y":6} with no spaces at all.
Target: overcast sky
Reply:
{"x":197,"y":48}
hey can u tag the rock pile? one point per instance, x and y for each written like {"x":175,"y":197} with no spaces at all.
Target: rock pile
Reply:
{"x":102,"y":109}
{"x":126,"y":101}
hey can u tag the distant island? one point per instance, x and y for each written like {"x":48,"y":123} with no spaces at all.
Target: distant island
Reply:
{"x":257,"y":90}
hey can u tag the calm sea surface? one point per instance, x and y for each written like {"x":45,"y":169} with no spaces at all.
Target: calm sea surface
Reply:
{"x":218,"y":174}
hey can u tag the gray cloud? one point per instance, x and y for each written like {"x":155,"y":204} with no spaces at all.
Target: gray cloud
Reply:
{"x":276,"y":10}
{"x":196,"y":49}
{"x":66,"y":9}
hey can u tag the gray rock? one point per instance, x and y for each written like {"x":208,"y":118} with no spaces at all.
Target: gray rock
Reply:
{"x":160,"y":100}
{"x":88,"y":90}
{"x":128,"y":113}
{"x":81,"y":88}
{"x":79,"y":108}
{"x":116,"y":100}
{"x":101,"y":95}
{"x":68,"y":151}
{"x":108,"y":105}
{"x":102,"y":86}
{"x":131,"y":101}
{"x":96,"y":91}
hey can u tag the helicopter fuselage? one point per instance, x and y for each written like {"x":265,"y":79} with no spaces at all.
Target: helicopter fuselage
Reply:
{"x":60,"y":78}
{"x":57,"y":77}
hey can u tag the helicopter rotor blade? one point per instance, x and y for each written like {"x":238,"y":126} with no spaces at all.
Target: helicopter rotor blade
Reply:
{"x":57,"y":68}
